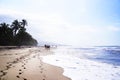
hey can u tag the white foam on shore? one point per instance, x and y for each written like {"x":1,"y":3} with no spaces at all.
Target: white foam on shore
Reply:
{"x":82,"y":68}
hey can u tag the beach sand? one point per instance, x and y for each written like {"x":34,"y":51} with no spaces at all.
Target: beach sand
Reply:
{"x":27,"y":64}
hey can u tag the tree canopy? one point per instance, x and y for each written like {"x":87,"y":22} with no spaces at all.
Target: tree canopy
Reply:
{"x":15,"y":34}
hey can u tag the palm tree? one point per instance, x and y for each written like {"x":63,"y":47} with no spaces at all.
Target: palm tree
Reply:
{"x":6,"y":35}
{"x":15,"y":34}
{"x":4,"y":27}
{"x":15,"y":26}
{"x":24,"y":23}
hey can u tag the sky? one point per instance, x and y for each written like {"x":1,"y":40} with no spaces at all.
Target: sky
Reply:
{"x":73,"y":22}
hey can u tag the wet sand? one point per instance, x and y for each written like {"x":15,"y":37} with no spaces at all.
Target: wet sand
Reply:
{"x":27,"y":64}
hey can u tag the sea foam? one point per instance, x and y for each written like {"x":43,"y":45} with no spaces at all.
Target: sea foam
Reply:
{"x":77,"y":67}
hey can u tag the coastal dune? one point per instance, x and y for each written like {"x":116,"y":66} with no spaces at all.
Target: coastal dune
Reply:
{"x":27,"y":64}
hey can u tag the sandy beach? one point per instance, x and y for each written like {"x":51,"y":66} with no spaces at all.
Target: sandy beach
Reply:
{"x":27,"y":64}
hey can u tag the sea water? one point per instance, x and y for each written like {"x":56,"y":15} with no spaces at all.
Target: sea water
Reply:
{"x":93,"y":63}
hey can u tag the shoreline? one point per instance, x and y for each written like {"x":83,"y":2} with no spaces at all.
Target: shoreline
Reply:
{"x":14,"y":47}
{"x":27,"y":64}
{"x":77,"y":67}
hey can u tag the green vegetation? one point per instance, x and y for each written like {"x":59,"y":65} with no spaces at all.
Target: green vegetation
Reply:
{"x":15,"y":34}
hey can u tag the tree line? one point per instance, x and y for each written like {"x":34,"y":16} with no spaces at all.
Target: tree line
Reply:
{"x":15,"y":34}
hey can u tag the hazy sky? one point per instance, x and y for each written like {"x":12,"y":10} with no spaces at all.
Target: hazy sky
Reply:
{"x":77,"y":22}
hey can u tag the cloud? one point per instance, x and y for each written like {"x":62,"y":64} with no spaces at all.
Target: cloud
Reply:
{"x":54,"y":27}
{"x":113,"y":28}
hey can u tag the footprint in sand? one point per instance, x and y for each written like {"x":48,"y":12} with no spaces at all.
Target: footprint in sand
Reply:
{"x":7,"y":67}
{"x":8,"y":62}
{"x":18,"y":76}
{"x":20,"y":70}
{"x":20,"y":73}
{"x":3,"y":73}
{"x":24,"y":67}
{"x":40,"y":66}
